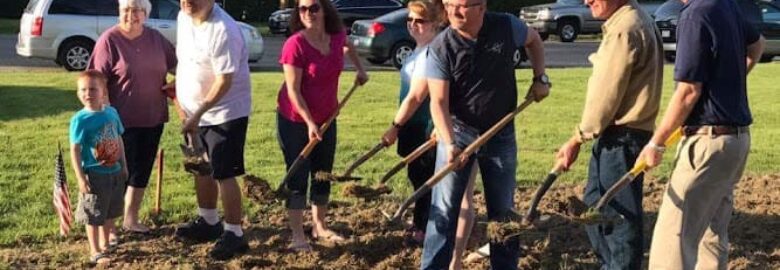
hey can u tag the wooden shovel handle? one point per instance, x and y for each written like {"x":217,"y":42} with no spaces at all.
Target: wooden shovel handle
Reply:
{"x":378,"y":147}
{"x":481,"y":140}
{"x":409,"y":158}
{"x":324,"y":127}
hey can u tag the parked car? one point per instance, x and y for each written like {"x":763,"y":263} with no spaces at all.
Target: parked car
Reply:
{"x":349,"y":10}
{"x":567,"y":18}
{"x":387,"y":38}
{"x":66,"y":30}
{"x":764,"y":15}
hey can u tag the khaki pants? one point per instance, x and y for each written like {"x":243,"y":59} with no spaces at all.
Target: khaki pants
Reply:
{"x":692,"y":227}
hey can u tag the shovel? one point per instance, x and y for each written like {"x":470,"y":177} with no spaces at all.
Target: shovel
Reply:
{"x":481,"y":140}
{"x":381,"y":188}
{"x":533,"y":213}
{"x":282,"y":191}
{"x":196,"y":160}
{"x":594,"y":214}
{"x":347,"y":176}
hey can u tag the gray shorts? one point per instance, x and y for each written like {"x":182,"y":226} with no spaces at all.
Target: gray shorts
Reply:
{"x":106,"y":200}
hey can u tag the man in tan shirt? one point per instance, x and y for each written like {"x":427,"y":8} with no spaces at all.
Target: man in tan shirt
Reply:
{"x":623,"y":99}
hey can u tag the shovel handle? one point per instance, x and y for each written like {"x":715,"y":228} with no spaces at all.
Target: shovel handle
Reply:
{"x":548,"y":181}
{"x":481,"y":140}
{"x":158,"y":191}
{"x":362,"y":159}
{"x":639,"y":167}
{"x":324,"y":127}
{"x":409,"y":158}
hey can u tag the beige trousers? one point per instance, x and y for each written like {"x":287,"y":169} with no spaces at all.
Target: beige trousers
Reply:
{"x":692,"y":227}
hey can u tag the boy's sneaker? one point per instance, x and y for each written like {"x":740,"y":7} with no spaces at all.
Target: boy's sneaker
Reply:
{"x":199,"y":230}
{"x":228,"y":245}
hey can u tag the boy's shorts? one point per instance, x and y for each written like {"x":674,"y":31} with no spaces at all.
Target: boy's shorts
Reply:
{"x":225,"y":146}
{"x":106,"y":199}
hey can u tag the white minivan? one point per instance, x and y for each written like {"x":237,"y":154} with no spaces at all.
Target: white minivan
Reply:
{"x":66,"y":30}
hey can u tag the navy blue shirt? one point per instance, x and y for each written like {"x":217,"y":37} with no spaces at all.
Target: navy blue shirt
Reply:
{"x":481,"y":72}
{"x":712,"y":39}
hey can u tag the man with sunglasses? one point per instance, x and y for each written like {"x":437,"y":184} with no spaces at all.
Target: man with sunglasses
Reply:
{"x":213,"y":89}
{"x":471,"y":78}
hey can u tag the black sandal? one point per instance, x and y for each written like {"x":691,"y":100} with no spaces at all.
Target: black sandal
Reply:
{"x":99,"y":258}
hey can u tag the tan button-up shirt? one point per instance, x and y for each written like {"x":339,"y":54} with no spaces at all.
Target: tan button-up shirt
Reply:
{"x":625,"y":87}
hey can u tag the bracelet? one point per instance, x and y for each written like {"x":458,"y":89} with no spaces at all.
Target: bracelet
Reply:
{"x":657,"y":148}
{"x":396,"y":125}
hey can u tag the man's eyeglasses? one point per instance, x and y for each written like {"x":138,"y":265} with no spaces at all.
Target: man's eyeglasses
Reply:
{"x":458,"y":7}
{"x":314,"y":8}
{"x":416,"y":20}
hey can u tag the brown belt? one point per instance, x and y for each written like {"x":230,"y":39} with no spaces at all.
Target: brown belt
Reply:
{"x":714,"y":130}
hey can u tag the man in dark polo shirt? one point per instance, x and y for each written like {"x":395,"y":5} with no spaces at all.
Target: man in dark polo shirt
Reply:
{"x":716,"y":49}
{"x":472,"y":85}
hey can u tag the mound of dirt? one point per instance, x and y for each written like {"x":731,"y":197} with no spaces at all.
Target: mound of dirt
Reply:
{"x":372,"y":243}
{"x":258,"y":190}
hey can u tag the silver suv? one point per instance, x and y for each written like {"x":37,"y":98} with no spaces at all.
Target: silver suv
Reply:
{"x":66,"y":30}
{"x":567,"y":18}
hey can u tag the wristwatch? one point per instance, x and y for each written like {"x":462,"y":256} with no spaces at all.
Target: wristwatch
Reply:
{"x":543,"y":79}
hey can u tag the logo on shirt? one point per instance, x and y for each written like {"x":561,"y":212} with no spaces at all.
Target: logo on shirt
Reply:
{"x":495,"y":47}
{"x":106,"y":149}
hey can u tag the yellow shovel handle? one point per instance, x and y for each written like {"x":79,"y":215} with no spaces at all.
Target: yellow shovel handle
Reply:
{"x":672,"y":139}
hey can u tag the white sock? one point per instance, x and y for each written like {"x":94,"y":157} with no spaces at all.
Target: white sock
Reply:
{"x":210,"y":215}
{"x":235,"y":228}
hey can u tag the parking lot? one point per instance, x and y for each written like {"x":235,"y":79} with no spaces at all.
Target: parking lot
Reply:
{"x":557,"y":54}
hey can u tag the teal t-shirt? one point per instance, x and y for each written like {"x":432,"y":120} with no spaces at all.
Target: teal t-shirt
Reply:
{"x":414,"y":67}
{"x":97,"y":132}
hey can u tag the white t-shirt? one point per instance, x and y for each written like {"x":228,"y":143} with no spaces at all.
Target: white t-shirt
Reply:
{"x":213,"y":48}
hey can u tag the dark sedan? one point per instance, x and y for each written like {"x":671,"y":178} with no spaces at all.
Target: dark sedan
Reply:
{"x":762,"y":14}
{"x":387,"y":38}
{"x":349,"y":10}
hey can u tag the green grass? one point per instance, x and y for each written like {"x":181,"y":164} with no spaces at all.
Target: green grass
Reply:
{"x":35,"y":108}
{"x":9,"y":26}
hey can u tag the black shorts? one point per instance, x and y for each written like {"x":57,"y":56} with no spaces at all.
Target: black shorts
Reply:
{"x":140,"y":149}
{"x":225,"y":146}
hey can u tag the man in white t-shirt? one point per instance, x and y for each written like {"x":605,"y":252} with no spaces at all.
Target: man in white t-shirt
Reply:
{"x":213,"y":89}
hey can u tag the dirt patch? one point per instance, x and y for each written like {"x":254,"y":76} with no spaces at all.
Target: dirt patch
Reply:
{"x":374,"y":244}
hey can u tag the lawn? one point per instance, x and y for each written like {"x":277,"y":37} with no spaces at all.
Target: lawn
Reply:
{"x":35,"y":108}
{"x":9,"y":26}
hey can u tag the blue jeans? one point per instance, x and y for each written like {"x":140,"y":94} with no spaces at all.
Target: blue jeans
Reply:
{"x":618,"y":246}
{"x":497,"y":161}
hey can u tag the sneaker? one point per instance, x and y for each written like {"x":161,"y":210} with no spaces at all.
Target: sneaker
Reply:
{"x":200,"y":231}
{"x":228,"y":245}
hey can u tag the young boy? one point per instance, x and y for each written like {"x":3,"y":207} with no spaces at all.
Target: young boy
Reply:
{"x":98,"y":157}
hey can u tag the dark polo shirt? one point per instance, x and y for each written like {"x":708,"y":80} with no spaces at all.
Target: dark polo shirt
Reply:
{"x":481,"y":72}
{"x":712,"y":39}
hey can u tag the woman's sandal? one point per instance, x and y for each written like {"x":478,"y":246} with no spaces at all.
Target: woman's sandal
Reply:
{"x":330,"y":236}
{"x":99,"y":259}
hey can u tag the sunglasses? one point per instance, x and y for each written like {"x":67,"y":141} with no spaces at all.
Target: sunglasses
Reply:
{"x":415,"y":20}
{"x":314,"y":8}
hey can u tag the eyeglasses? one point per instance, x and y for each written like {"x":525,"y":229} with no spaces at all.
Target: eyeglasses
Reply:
{"x":415,"y":20}
{"x":458,"y":7}
{"x":314,"y":8}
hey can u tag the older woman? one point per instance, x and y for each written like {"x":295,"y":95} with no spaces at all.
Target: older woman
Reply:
{"x":312,"y":58}
{"x":136,"y":60}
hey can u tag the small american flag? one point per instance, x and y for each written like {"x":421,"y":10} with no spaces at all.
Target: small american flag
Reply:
{"x":61,"y":199}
